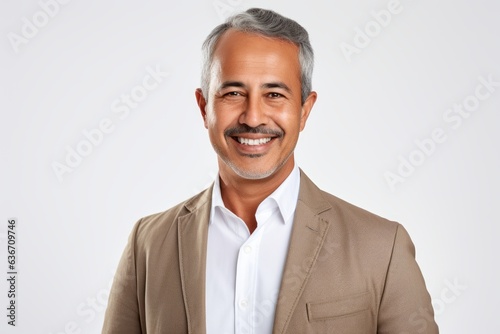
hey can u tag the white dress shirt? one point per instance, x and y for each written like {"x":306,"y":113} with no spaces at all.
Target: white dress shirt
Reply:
{"x":244,"y":270}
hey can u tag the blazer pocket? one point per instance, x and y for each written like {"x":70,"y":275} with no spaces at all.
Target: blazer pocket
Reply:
{"x":345,"y":307}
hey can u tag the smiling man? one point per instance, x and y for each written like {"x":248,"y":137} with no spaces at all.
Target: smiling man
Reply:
{"x":264,"y":250}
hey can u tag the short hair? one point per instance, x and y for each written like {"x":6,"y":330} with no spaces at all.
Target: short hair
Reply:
{"x":267,"y":23}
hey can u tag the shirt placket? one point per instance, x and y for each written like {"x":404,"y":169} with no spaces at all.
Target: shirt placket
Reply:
{"x":246,"y":273}
{"x":246,"y":277}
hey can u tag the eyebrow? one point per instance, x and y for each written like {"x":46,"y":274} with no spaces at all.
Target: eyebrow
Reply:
{"x":268,"y":85}
{"x":232,"y":84}
{"x":277,"y":85}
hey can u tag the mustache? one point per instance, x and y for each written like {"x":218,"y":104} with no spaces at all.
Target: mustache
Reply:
{"x":237,"y":130}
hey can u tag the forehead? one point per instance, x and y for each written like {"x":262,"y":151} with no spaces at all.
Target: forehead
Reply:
{"x":250,"y":53}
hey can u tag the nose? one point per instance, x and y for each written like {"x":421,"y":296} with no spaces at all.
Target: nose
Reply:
{"x":254,"y":112}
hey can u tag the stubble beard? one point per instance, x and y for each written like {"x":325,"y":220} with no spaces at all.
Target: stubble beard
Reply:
{"x":246,"y":173}
{"x":249,"y":174}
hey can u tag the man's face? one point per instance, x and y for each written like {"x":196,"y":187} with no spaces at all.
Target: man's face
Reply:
{"x":253,"y":110}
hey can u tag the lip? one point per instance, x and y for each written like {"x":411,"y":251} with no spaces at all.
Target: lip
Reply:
{"x":254,"y":136}
{"x":253,"y":149}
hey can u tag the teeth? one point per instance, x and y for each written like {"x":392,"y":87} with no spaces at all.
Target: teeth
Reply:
{"x":251,"y":142}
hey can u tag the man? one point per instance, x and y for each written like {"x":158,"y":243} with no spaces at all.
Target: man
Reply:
{"x":264,"y":250}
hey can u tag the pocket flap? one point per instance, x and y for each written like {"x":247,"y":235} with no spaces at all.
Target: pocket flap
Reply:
{"x":348,"y":305}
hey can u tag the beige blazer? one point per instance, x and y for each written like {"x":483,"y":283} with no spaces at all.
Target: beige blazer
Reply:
{"x":347,"y":271}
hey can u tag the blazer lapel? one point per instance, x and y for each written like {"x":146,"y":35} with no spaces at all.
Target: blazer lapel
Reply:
{"x":308,"y":235}
{"x":192,"y":237}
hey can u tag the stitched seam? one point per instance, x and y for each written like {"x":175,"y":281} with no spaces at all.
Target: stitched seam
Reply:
{"x":294,"y":305}
{"x":339,"y":316}
{"x":350,"y":297}
{"x":356,"y":296}
{"x":142,"y":321}
{"x":181,"y":263}
{"x":388,"y":266}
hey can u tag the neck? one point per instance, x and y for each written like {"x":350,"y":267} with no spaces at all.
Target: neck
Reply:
{"x":243,"y":196}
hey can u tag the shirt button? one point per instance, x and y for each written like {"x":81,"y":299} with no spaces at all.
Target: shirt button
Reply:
{"x":247,"y":249}
{"x":243,"y":303}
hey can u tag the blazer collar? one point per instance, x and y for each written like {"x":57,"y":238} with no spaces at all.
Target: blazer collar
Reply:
{"x":308,"y":235}
{"x":192,"y":239}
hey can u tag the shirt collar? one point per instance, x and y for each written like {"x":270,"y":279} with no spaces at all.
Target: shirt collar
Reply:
{"x":285,"y":196}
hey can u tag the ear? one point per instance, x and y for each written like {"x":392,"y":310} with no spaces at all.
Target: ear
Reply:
{"x":306,"y":109}
{"x":202,"y":104}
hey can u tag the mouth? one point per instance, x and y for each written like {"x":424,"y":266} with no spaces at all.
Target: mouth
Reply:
{"x":253,"y":146}
{"x":253,"y":142}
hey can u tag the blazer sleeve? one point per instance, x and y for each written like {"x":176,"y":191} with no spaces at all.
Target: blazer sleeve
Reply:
{"x":405,"y":306}
{"x":122,"y":313}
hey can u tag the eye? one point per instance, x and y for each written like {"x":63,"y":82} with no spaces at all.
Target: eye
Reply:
{"x":232,"y":94}
{"x":274,"y":95}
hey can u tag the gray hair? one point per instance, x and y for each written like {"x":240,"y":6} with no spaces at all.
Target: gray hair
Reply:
{"x":267,"y":23}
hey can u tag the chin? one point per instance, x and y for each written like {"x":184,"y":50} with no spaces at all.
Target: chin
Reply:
{"x":252,"y":174}
{"x":255,"y":174}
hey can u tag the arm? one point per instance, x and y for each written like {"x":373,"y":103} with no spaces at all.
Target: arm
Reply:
{"x":122,"y":313}
{"x":405,"y":306}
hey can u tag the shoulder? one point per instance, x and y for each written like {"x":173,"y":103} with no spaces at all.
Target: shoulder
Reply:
{"x":367,"y":239}
{"x":161,"y":224}
{"x":357,"y":217}
{"x":346,"y":219}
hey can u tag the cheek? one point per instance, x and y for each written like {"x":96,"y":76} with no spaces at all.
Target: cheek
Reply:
{"x":216,"y":124}
{"x":222,"y":119}
{"x":290,"y":123}
{"x":211,"y":118}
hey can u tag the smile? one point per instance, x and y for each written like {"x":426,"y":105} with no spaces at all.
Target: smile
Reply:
{"x":253,"y":142}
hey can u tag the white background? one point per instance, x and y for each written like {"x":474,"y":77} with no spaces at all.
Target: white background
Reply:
{"x":371,"y":109}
